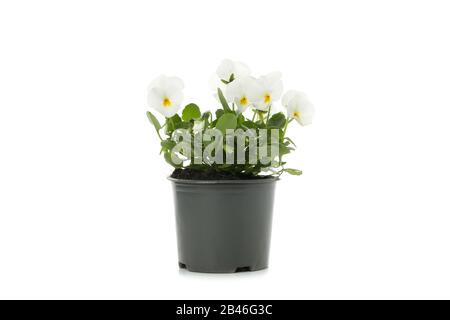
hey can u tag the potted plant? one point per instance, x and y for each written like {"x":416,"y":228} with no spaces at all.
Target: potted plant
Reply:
{"x":226,"y":165}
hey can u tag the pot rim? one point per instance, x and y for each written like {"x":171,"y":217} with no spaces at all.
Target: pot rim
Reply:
{"x":224,"y":181}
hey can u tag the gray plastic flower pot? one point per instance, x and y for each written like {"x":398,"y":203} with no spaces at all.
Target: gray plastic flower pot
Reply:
{"x":223,"y":226}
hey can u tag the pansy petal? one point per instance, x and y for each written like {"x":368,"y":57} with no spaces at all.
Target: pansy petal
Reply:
{"x":154,"y":98}
{"x":225,"y":69}
{"x":287,"y":97}
{"x":241,"y":69}
{"x":253,"y":88}
{"x":271,"y":78}
{"x":277,"y":90}
{"x":229,"y":67}
{"x":176,"y":97}
{"x":233,"y":90}
{"x":157,"y":82}
{"x":306,"y":119}
{"x":175,"y":82}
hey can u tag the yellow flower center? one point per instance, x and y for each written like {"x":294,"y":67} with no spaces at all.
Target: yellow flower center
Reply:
{"x":296,"y":114}
{"x":267,"y":98}
{"x":243,"y":101}
{"x":166,"y":102}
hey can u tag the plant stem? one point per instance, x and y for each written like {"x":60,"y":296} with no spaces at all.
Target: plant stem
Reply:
{"x":254,"y":115}
{"x":283,"y":133}
{"x":261,"y":116}
{"x":268,"y":115}
{"x":169,"y":120}
{"x":157,"y":132}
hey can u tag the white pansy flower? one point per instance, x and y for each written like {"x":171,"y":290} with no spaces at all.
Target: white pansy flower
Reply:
{"x":270,"y":90}
{"x":298,"y":107}
{"x":229,"y":67}
{"x":165,"y":95}
{"x":242,"y":92}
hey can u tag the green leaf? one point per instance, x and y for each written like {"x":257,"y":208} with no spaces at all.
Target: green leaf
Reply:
{"x":206,"y":115}
{"x":173,"y":123}
{"x":168,"y":158}
{"x":290,"y":140}
{"x":226,"y":121}
{"x":167,"y":145}
{"x":219,"y":113}
{"x":249,"y":124}
{"x":278,"y":120}
{"x":284,"y":149}
{"x":229,"y":80}
{"x":240,"y":119}
{"x":223,"y":101}
{"x":153,"y":120}
{"x":191,"y":111}
{"x":294,"y":172}
{"x":206,"y":118}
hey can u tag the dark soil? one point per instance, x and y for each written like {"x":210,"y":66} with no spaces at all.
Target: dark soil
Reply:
{"x":191,"y":174}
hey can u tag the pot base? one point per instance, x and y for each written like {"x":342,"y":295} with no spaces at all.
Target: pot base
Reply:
{"x":235,"y":270}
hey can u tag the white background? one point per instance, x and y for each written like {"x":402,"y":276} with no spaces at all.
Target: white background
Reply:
{"x":85,"y":207}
